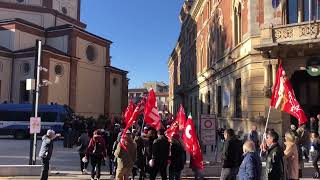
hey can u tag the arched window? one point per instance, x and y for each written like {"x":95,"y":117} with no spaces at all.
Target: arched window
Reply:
{"x":237,"y":24}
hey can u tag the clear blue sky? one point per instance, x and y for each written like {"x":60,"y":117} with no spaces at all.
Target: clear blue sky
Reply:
{"x":144,"y":33}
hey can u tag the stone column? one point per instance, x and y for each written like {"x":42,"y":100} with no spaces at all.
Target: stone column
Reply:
{"x":266,"y":65}
{"x":274,"y":63}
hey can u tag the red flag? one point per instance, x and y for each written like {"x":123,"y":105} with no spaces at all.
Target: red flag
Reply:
{"x":181,"y":118}
{"x":129,"y":111}
{"x":173,"y":129}
{"x":283,"y":97}
{"x":131,"y":121}
{"x":192,"y":144}
{"x":151,"y":115}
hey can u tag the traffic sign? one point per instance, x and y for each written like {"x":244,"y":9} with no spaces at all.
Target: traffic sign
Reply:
{"x":208,"y":129}
{"x":35,"y":125}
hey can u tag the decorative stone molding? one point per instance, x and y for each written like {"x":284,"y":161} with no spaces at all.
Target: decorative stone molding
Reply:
{"x":294,"y":32}
{"x":283,"y":33}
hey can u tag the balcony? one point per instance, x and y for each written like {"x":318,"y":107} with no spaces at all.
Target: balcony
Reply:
{"x":290,"y":34}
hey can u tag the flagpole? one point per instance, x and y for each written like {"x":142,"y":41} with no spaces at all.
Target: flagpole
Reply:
{"x":265,"y":129}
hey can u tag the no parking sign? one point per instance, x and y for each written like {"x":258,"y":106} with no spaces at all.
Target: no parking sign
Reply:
{"x":208,"y":129}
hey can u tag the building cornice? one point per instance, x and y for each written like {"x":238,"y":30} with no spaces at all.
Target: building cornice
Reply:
{"x":40,"y":9}
{"x":116,"y":70}
{"x":67,"y":29}
{"x":23,"y":26}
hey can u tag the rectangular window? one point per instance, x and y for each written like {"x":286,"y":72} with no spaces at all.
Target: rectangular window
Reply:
{"x":219,"y":100}
{"x":238,"y":98}
{"x":292,"y":7}
{"x":315,"y":7}
{"x":306,"y":10}
{"x":24,"y":94}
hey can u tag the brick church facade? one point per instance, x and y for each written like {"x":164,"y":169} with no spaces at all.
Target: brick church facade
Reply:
{"x":78,"y":61}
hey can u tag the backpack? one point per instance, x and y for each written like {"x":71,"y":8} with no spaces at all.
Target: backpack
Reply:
{"x":97,"y":150}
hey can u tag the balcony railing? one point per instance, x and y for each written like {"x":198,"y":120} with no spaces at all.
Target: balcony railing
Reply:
{"x":293,"y":32}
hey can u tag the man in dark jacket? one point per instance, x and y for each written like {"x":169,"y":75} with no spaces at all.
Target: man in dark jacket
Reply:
{"x":46,"y":152}
{"x":83,"y":142}
{"x":160,"y":154}
{"x":274,"y":163}
{"x":141,"y":156}
{"x":231,"y":156}
{"x":177,"y":158}
{"x":253,"y":135}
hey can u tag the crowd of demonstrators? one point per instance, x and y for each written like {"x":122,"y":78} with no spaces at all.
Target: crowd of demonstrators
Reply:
{"x":150,"y":152}
{"x":283,"y":160}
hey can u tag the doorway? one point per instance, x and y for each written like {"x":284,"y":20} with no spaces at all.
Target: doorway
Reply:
{"x":307,"y":91}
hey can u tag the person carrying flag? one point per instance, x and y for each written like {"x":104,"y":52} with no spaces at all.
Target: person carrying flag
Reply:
{"x":192,"y":145}
{"x":125,"y":157}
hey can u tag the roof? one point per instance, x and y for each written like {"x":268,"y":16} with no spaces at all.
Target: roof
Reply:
{"x":138,"y":90}
{"x":70,"y":26}
{"x":116,"y":69}
{"x":4,"y":21}
{"x":4,"y":49}
{"x":44,"y":47}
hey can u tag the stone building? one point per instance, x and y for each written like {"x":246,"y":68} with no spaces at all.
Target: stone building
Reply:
{"x":78,"y":61}
{"x":226,"y":57}
{"x":161,"y":90}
